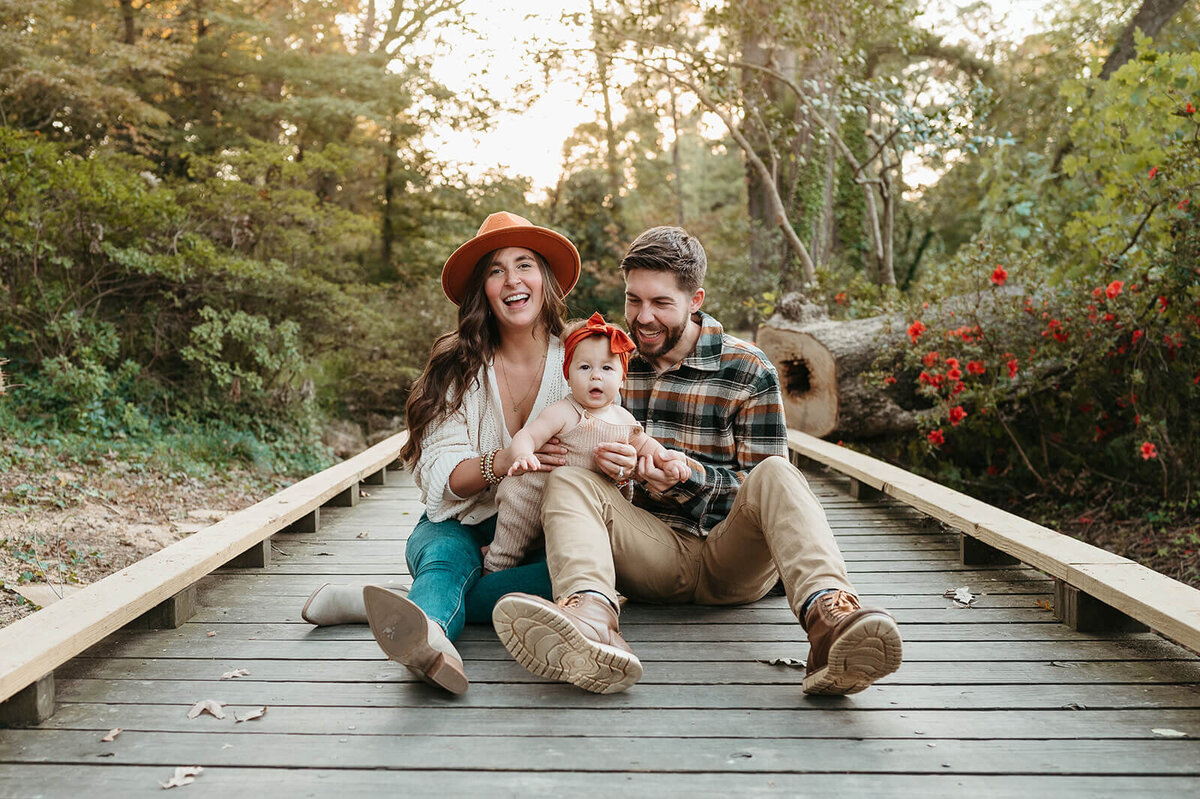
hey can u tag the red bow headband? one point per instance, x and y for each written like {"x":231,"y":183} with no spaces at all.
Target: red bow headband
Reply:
{"x":620,"y":344}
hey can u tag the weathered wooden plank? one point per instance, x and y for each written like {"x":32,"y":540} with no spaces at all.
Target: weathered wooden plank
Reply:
{"x":142,"y":781}
{"x":824,"y":722}
{"x":118,"y":692}
{"x":645,"y":632}
{"x":1064,"y":672}
{"x":365,"y":648}
{"x":708,"y":755}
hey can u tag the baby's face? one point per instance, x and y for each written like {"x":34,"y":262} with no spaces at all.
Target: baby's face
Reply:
{"x":595,"y":373}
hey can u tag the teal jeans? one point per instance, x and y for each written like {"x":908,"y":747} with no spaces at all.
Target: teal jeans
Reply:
{"x":445,"y":562}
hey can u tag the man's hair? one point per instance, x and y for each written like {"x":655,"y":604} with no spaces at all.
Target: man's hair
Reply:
{"x":669,"y":249}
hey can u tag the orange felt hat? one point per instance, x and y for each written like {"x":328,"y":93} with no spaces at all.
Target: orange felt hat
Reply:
{"x":509,"y":230}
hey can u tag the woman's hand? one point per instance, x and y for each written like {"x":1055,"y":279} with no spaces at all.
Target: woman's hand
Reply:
{"x":551,"y":454}
{"x":616,"y":460}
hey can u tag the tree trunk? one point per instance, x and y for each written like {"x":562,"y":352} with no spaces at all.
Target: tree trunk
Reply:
{"x":821,"y":366}
{"x":1149,"y":19}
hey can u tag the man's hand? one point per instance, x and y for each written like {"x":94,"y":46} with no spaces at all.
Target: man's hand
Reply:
{"x":616,"y":460}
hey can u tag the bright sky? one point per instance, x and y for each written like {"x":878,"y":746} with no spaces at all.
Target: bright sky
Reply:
{"x":529,"y":142}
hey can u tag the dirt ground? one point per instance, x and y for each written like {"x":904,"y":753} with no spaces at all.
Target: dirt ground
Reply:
{"x":63,"y":530}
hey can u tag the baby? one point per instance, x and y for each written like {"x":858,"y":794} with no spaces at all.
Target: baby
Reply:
{"x":596,"y":360}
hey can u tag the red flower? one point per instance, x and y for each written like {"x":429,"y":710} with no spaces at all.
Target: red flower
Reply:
{"x":999,"y":275}
{"x":1137,"y":334}
{"x":936,"y":438}
{"x":1149,"y":451}
{"x":957,"y":414}
{"x":993,"y":471}
{"x":1098,"y":291}
{"x":1162,"y":304}
{"x":1114,"y":289}
{"x":954,"y":374}
{"x":952,"y":363}
{"x":1189,"y":109}
{"x":915,"y":330}
{"x":840,"y":298}
{"x":930,"y":358}
{"x":1153,"y":172}
{"x":1013,"y":366}
{"x":976,"y":367}
{"x":889,"y":380}
{"x":1184,"y":203}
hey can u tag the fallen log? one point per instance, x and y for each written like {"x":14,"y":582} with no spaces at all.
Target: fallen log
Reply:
{"x":821,"y":366}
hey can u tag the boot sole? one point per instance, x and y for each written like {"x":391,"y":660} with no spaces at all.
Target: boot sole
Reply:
{"x":550,"y":645}
{"x":866,"y":652}
{"x":401,"y":630}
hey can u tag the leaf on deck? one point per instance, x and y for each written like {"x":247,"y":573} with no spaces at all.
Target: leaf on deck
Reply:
{"x":231,"y":675}
{"x":210,"y":706}
{"x":256,"y":713}
{"x":184,"y":775}
{"x":112,"y":735}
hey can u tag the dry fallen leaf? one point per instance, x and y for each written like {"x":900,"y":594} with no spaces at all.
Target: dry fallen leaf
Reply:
{"x":210,"y":706}
{"x":363,"y":534}
{"x":256,"y":713}
{"x":210,"y":633}
{"x":230,"y":675}
{"x":362,"y":493}
{"x":1045,"y":604}
{"x":112,"y":735}
{"x":1168,"y":733}
{"x":184,"y":775}
{"x":961,"y":596}
{"x":789,"y":662}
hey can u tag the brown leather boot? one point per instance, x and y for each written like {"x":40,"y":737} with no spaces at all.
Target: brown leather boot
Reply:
{"x":849,"y":647}
{"x":576,"y":640}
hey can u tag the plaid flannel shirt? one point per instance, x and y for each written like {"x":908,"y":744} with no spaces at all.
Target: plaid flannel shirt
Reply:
{"x":722,"y":407}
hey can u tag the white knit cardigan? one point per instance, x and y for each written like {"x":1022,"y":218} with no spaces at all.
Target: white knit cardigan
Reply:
{"x":477,"y":427}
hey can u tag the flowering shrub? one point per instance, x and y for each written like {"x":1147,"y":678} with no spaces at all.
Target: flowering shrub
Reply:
{"x":1062,"y":385}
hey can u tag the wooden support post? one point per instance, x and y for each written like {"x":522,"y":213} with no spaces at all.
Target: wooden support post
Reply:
{"x":803,"y":463}
{"x":346,"y":499}
{"x":33,"y":704}
{"x":860,"y":490}
{"x":379,"y":478}
{"x":976,"y":553}
{"x":256,"y":557}
{"x":1083,"y":612}
{"x":168,"y":615}
{"x":308,"y":523}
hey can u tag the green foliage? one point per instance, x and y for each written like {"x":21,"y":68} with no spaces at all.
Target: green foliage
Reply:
{"x":1073,"y":388}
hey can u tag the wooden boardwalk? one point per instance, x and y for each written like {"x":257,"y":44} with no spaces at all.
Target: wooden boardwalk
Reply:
{"x":994,"y":700}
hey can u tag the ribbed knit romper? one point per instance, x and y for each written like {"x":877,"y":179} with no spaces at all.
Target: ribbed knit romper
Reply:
{"x":519,"y":498}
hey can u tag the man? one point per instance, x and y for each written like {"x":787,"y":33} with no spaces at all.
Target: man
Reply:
{"x":745,"y":518}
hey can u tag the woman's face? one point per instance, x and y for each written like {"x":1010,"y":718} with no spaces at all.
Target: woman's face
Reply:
{"x":513,"y":285}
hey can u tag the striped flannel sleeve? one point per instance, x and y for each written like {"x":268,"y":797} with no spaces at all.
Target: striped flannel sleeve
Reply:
{"x":759,"y":431}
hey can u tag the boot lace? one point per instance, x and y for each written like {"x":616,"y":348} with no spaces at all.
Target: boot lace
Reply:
{"x":839,"y":602}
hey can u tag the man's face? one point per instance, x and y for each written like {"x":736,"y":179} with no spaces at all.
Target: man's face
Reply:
{"x":657,"y":310}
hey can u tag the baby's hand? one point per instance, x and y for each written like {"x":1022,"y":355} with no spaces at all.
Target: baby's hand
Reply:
{"x":674,"y":464}
{"x":528,"y":463}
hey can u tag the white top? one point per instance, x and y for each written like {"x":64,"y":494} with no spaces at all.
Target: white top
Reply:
{"x":476,"y":428}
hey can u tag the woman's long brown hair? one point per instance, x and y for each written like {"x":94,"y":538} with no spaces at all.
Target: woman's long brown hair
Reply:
{"x":458,"y":356}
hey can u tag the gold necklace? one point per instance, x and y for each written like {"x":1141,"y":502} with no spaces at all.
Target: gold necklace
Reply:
{"x":517,"y":403}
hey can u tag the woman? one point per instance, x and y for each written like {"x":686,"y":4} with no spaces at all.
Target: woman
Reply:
{"x":501,"y":367}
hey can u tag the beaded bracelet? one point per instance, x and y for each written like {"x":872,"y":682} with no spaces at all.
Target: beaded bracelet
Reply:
{"x":485,"y":468}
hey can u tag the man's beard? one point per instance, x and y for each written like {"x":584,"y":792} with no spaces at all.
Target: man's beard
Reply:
{"x":671,"y":337}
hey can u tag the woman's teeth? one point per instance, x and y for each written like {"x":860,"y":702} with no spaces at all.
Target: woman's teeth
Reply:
{"x":515,"y":298}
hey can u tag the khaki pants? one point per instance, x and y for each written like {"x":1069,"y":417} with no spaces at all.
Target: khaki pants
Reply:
{"x":597,"y":541}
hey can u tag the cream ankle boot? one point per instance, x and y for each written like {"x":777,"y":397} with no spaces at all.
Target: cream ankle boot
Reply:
{"x":339,"y":604}
{"x":410,"y":638}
